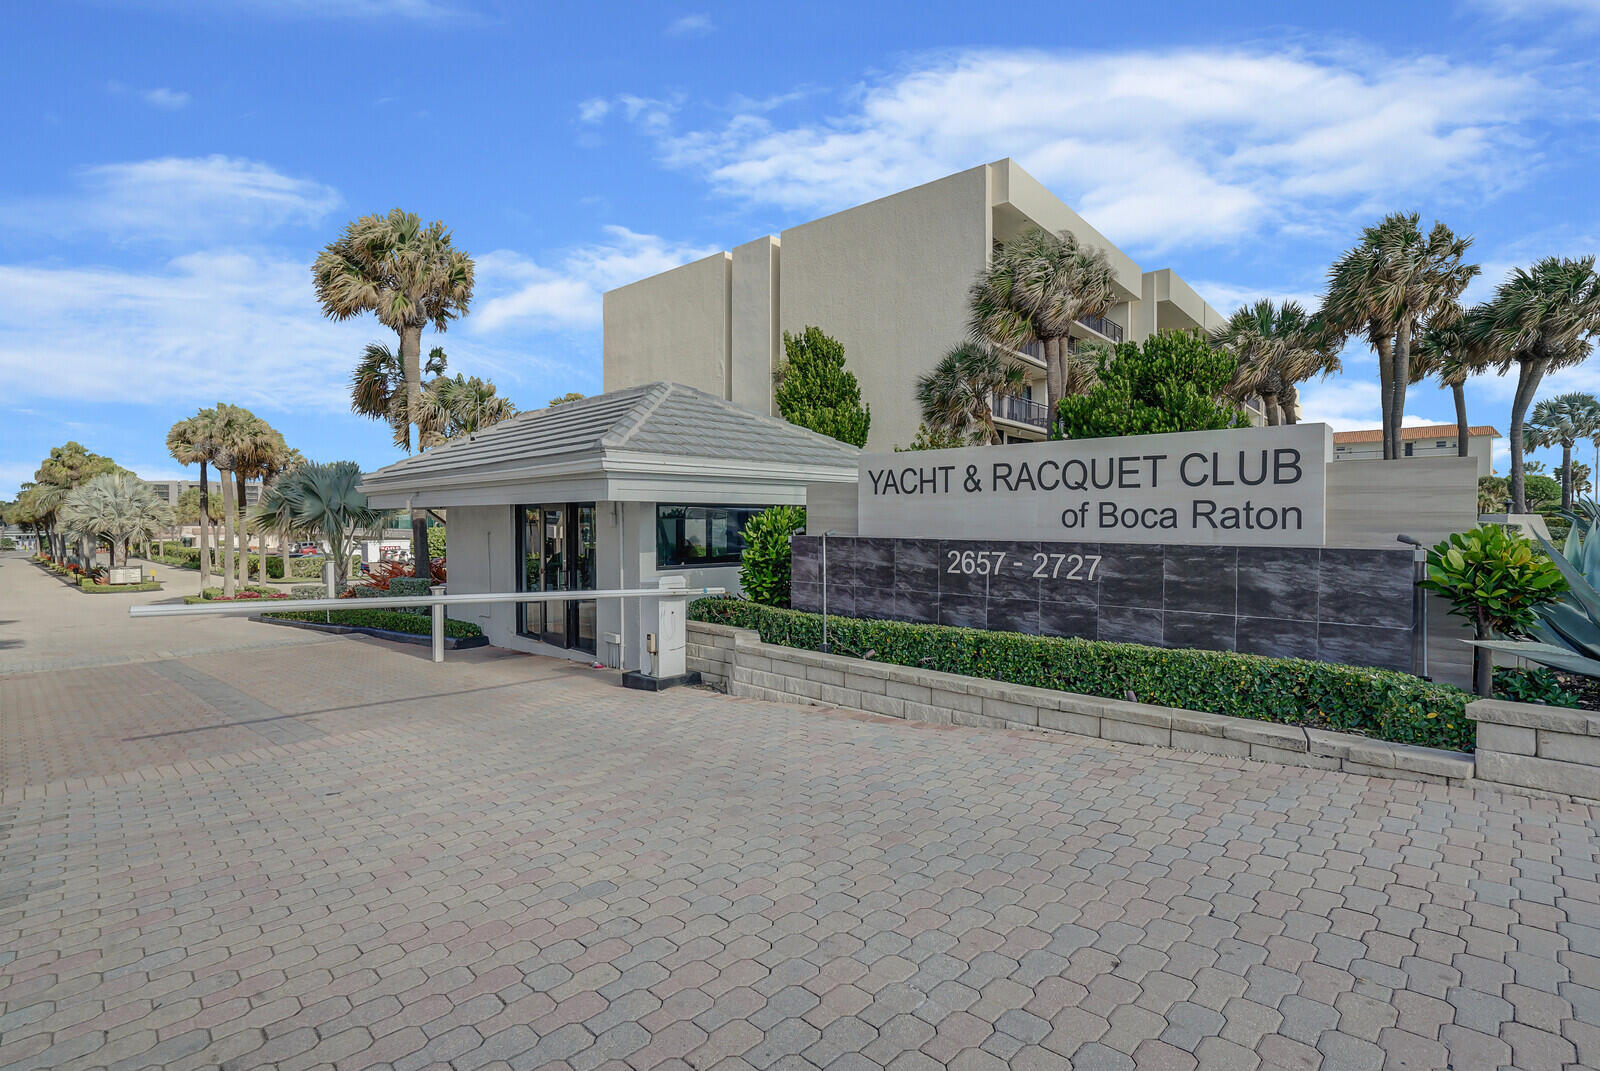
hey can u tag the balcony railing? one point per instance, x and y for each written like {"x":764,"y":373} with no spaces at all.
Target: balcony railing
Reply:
{"x":1021,"y":410}
{"x":1106,"y":327}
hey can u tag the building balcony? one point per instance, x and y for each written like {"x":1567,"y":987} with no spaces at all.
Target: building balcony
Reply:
{"x":1102,"y":326}
{"x":1019,"y":410}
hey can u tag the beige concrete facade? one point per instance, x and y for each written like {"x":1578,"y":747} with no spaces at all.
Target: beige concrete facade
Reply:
{"x":888,"y":279}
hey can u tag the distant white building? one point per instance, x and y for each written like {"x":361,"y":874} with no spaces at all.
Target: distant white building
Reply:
{"x":172,"y":489}
{"x":1432,"y":440}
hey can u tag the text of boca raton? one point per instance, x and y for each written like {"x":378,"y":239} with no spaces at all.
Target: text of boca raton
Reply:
{"x":1196,"y":471}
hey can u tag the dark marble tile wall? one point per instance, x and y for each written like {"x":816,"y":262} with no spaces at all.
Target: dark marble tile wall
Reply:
{"x":1329,"y":604}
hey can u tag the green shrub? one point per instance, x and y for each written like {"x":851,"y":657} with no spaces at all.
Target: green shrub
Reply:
{"x":1171,"y":382}
{"x":308,"y":591}
{"x":1495,"y":579}
{"x":7,"y":543}
{"x":765,"y":562}
{"x":1374,"y":702}
{"x":392,"y":620}
{"x":816,"y":391}
{"x":436,"y":541}
{"x":1533,"y":685}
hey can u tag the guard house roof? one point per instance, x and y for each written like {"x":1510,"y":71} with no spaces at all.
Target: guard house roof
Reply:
{"x":656,"y":442}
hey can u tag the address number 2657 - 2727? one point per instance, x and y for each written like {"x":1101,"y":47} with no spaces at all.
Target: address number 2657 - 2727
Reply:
{"x":1044,"y":566}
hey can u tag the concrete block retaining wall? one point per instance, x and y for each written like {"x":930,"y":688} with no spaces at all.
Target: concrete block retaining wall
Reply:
{"x":737,"y":660}
{"x":1548,"y":749}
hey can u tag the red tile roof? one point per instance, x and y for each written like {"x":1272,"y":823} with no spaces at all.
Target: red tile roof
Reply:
{"x":1429,"y":431}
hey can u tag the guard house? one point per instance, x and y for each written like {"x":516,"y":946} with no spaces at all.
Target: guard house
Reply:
{"x":613,"y":491}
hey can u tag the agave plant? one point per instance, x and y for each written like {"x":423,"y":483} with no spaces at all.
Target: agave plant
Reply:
{"x":1566,"y":634}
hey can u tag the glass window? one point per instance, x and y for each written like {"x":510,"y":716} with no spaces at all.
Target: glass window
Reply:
{"x":692,"y":536}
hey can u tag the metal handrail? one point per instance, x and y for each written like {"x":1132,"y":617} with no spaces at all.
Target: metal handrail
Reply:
{"x":436,"y":603}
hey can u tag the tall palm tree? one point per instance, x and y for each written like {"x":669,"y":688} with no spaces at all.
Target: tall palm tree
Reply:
{"x":1034,"y":289}
{"x":1562,"y":421}
{"x":460,"y":405}
{"x":1540,"y":320}
{"x":956,"y":396}
{"x":117,"y":507}
{"x":255,"y":452}
{"x":1278,"y":346}
{"x":378,"y":390}
{"x":409,"y":275}
{"x":1444,"y":354}
{"x":1386,"y":287}
{"x":186,"y":443}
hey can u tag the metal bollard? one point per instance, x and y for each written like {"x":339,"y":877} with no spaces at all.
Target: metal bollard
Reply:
{"x":438,"y":623}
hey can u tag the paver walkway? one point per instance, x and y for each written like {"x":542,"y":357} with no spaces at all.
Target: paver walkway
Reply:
{"x":334,"y":852}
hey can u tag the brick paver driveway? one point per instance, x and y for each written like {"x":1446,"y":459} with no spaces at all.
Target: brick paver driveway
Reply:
{"x":333,"y":852}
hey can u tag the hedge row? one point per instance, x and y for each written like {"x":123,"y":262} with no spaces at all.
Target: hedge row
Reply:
{"x":1373,"y":702}
{"x":189,"y":558}
{"x":85,"y":584}
{"x":393,"y":620}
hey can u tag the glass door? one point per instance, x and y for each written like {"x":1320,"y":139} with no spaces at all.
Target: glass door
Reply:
{"x":557,"y":562}
{"x":557,"y":549}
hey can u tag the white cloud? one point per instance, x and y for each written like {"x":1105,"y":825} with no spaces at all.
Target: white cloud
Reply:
{"x":225,"y":325}
{"x":1157,"y":148}
{"x":593,"y":110}
{"x":167,"y":99}
{"x":175,"y":198}
{"x":567,"y":296}
{"x":690,"y":25}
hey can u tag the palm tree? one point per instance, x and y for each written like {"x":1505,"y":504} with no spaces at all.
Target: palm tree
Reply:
{"x":409,"y":276}
{"x":459,"y":405}
{"x":187,"y":444}
{"x":327,"y":498}
{"x":1540,"y":320}
{"x":956,"y":396}
{"x":378,"y":390}
{"x":255,"y":454}
{"x":1387,"y":287}
{"x":277,"y":463}
{"x":1563,"y":420}
{"x":1034,"y":289}
{"x":1277,"y":346}
{"x":1443,"y":353}
{"x":117,"y":507}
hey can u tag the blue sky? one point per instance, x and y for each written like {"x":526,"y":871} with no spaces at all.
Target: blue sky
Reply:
{"x":174,"y":168}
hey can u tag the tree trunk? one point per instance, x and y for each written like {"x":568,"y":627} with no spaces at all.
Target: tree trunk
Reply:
{"x":421,"y":567}
{"x":1460,"y":392}
{"x":283,"y":550}
{"x":1399,"y":380}
{"x":227,"y":532}
{"x":1483,"y":671}
{"x":411,"y":368}
{"x":1386,"y":392}
{"x":243,"y":529}
{"x":1566,"y":477}
{"x":1055,"y":377}
{"x":1531,"y":371}
{"x":205,"y":525}
{"x":1269,"y":405}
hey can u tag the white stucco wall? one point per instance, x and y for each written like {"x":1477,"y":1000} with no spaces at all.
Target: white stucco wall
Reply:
{"x":673,"y":326}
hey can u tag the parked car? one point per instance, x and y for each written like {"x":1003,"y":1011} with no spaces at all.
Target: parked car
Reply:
{"x":305,"y":550}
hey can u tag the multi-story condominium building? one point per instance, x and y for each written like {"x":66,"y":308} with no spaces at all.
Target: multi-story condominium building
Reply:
{"x":1432,"y":440}
{"x":889,"y":279}
{"x":172,"y":489}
